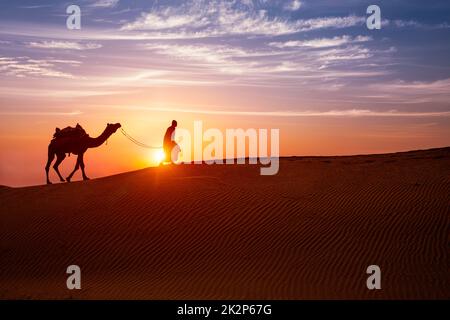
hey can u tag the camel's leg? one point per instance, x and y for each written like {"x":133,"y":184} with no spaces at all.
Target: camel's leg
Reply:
{"x":51,"y":156}
{"x":59,"y":158}
{"x":82,"y":167}
{"x":74,"y":170}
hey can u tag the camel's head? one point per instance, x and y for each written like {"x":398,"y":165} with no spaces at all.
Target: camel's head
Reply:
{"x":112,"y":127}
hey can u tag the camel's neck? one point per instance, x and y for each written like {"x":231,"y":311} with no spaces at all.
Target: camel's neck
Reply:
{"x":96,"y":142}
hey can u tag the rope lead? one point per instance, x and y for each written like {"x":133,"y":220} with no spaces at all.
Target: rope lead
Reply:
{"x":140,"y":144}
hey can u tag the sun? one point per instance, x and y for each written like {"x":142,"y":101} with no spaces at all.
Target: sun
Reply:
{"x":158,"y":156}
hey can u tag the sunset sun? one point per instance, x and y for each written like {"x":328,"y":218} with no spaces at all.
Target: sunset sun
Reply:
{"x":158,"y":156}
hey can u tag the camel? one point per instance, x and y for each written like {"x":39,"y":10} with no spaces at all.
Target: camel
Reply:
{"x":77,"y":145}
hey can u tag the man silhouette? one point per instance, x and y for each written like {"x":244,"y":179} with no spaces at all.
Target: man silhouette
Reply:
{"x":171,"y":148}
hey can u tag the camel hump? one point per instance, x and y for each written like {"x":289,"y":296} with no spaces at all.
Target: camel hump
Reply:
{"x":72,"y":132}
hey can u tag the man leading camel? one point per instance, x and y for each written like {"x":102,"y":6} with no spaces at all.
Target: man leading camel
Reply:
{"x":171,"y":148}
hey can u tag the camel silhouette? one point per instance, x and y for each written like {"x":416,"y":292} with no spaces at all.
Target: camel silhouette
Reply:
{"x":78,"y":145}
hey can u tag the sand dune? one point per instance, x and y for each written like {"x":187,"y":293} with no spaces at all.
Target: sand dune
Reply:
{"x":225,"y":232}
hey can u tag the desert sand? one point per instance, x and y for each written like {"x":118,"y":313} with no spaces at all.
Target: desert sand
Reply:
{"x":225,"y":232}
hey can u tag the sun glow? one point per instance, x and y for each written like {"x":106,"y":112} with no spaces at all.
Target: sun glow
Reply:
{"x":158,"y":156}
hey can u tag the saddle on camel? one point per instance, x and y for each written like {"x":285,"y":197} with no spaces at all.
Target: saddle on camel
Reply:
{"x":70,"y":132}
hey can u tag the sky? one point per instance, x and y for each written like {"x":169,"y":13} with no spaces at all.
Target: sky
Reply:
{"x":311,"y":69}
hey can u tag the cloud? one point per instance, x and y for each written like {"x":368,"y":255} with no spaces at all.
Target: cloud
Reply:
{"x":348,"y":53}
{"x":417,"y":24}
{"x":286,"y":60}
{"x":65,"y":45}
{"x":224,"y":59}
{"x":23,"y":67}
{"x":164,"y":20}
{"x":412,"y":87}
{"x":321,"y":42}
{"x":105,"y":3}
{"x":225,"y":44}
{"x":69,"y":62}
{"x":192,"y":20}
{"x":40,"y":113}
{"x":434,"y":93}
{"x":330,"y":22}
{"x":35,"y":6}
{"x":220,"y":58}
{"x":214,"y":18}
{"x":293,"y":5}
{"x":403,"y":23}
{"x":203,"y":53}
{"x":310,"y":113}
